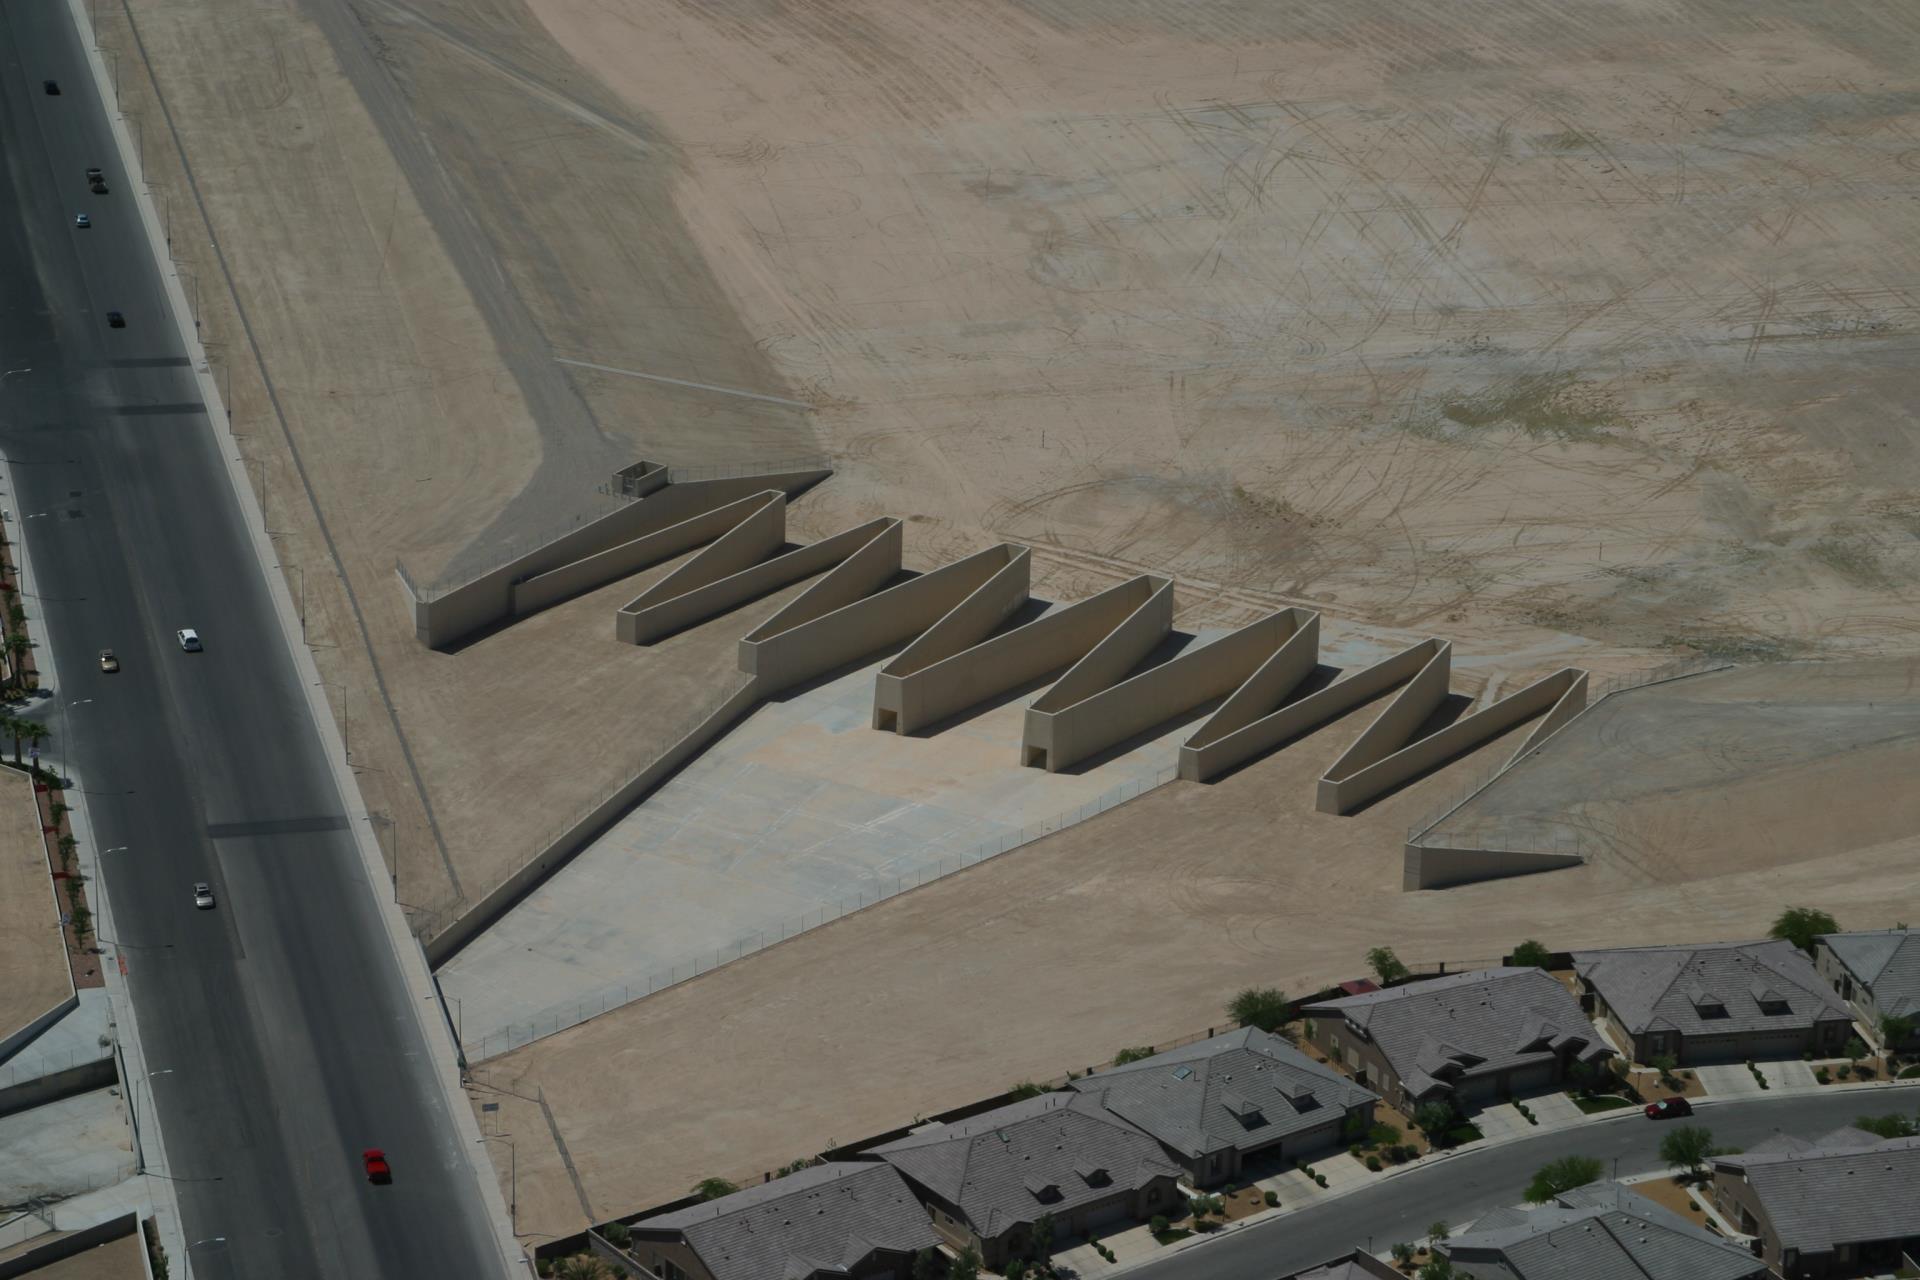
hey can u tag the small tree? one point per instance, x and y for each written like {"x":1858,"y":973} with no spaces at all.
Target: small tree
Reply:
{"x":1802,"y":925}
{"x":1564,"y":1174}
{"x":926,"y":1265}
{"x":1025,"y":1089}
{"x":1158,"y":1224}
{"x":1438,"y":1269}
{"x":1437,"y":1230}
{"x":1665,"y":1064}
{"x":1435,"y":1118}
{"x":1531,"y":955}
{"x":617,"y":1235}
{"x":1403,"y":1254}
{"x":1263,"y":1007}
{"x":1687,"y":1149}
{"x":966,"y":1266}
{"x":1856,"y":1049}
{"x":713,"y":1188}
{"x":1125,"y":1056}
{"x":1894,"y":1031}
{"x":36,"y":733}
{"x":1040,"y":1239}
{"x":1892,"y":1125}
{"x":1386,"y":966}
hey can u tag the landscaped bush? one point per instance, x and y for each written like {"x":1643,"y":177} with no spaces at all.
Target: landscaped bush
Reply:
{"x":1157,"y":1224}
{"x":1820,"y":1075}
{"x":1354,"y":1150}
{"x":1373,"y":1164}
{"x":1273,"y":1199}
{"x":1383,"y":1135}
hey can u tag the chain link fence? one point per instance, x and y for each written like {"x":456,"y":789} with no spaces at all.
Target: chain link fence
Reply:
{"x":571,"y":1013}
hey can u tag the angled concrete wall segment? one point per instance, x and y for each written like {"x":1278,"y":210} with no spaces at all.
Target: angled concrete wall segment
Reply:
{"x":1123,"y":649}
{"x":1442,"y":867}
{"x":547,"y":589}
{"x":948,"y":686}
{"x":971,"y":619}
{"x":667,"y":614}
{"x":1389,"y":759}
{"x":760,"y":531}
{"x":447,"y":616}
{"x":1060,"y":734}
{"x":792,"y":647}
{"x":1216,"y":748}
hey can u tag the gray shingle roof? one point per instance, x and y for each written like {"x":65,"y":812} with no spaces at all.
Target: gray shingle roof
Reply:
{"x":1602,"y":1232}
{"x":1240,"y":1090}
{"x":1836,"y":1194}
{"x":1353,"y":1266}
{"x":1469,"y":1024}
{"x":1888,"y":962}
{"x":1667,"y":988}
{"x":824,"y":1219}
{"x":986,"y":1165}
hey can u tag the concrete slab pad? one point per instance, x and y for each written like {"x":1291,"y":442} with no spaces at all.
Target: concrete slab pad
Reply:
{"x":800,"y":814}
{"x":1727,"y":1080}
{"x":64,"y":1148}
{"x":1791,"y":1075}
{"x":1502,"y":1120}
{"x":1555,"y":1111}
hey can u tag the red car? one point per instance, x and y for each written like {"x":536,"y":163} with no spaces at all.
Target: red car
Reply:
{"x":1668,"y":1108}
{"x":378,"y":1170}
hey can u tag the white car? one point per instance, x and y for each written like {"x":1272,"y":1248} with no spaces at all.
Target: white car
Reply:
{"x":203,"y":896}
{"x":189,"y":639}
{"x":82,"y":221}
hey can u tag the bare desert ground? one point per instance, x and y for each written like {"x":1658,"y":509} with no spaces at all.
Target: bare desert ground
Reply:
{"x":1571,"y":330}
{"x":33,"y":954}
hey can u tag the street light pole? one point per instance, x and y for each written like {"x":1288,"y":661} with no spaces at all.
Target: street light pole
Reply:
{"x":513,"y":1177}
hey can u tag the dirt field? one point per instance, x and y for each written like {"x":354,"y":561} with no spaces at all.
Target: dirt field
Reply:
{"x":1582,"y":330}
{"x":1132,"y":928}
{"x":31,"y":951}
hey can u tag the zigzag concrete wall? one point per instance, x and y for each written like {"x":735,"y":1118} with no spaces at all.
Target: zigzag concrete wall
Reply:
{"x":960,"y":652}
{"x":599,"y":552}
{"x":1388,"y":754}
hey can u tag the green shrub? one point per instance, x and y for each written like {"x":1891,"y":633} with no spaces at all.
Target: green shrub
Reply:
{"x":1354,"y":1151}
{"x":1264,"y":1007}
{"x":1158,"y":1224}
{"x":1136,"y":1054}
{"x":1383,"y":1134}
{"x":1373,"y":1164}
{"x":617,"y":1235}
{"x":1273,"y":1199}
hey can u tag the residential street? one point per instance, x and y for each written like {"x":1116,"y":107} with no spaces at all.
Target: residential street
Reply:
{"x":1461,"y":1187}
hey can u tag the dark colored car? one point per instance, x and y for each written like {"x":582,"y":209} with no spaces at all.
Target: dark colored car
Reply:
{"x":115,"y":320}
{"x":1669,"y":1108}
{"x":52,"y":87}
{"x":375,"y":1162}
{"x":93,"y":175}
{"x":98,"y":187}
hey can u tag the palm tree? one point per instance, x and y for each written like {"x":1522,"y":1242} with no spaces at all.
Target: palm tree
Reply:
{"x":18,"y":647}
{"x":36,"y":733}
{"x":11,"y":724}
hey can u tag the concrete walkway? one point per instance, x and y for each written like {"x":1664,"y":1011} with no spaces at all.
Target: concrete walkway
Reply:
{"x":73,"y":1040}
{"x":800,"y":813}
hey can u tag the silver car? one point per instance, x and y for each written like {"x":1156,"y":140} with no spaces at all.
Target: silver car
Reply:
{"x":203,"y":895}
{"x":189,"y":639}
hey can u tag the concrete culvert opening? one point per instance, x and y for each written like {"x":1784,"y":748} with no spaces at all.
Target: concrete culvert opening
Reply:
{"x":886,"y":720}
{"x":1036,"y":757}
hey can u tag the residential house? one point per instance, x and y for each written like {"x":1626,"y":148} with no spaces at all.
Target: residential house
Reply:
{"x":845,"y":1221}
{"x":1357,"y":1265}
{"x":1844,"y":1204}
{"x":1599,"y":1232}
{"x":1246,"y":1095}
{"x":986,"y":1180}
{"x":1467,"y":1038}
{"x":1721,"y":1002}
{"x":1877,"y":974}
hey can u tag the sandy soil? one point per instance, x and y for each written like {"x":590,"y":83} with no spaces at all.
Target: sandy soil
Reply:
{"x":1133,"y":928}
{"x":116,"y":1260}
{"x":31,"y":951}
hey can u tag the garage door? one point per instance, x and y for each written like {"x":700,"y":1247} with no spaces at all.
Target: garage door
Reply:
{"x":1110,"y":1216}
{"x":1531,"y":1079}
{"x":1477,"y":1090}
{"x":1778,"y":1044}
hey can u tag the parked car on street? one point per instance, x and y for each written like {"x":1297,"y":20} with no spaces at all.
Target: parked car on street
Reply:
{"x":108,"y":662}
{"x":203,"y":896}
{"x":115,"y":320}
{"x":82,"y":221}
{"x":1669,"y":1108}
{"x":52,"y":87}
{"x":189,"y":639}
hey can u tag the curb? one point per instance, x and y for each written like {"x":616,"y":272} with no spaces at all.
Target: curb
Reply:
{"x":163,"y":1206}
{"x":408,"y":958}
{"x":1486,"y":1144}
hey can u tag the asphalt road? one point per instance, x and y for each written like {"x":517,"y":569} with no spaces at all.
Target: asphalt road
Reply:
{"x":276,"y":1028}
{"x":1462,"y":1187}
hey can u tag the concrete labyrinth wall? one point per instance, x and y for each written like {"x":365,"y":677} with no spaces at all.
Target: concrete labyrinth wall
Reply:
{"x":972,"y":633}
